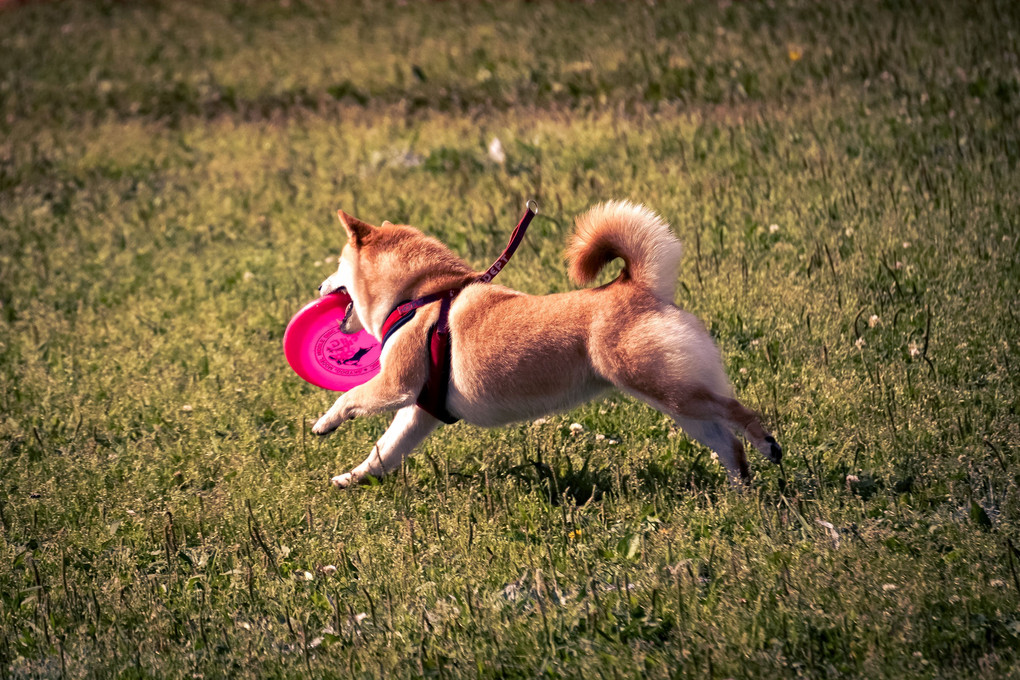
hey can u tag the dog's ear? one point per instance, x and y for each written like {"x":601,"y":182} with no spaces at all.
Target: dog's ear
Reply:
{"x":357,"y":231}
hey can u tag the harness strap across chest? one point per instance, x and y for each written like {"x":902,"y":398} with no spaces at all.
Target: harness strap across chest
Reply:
{"x":432,"y":398}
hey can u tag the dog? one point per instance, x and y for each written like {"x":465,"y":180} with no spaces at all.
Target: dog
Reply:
{"x":516,"y":357}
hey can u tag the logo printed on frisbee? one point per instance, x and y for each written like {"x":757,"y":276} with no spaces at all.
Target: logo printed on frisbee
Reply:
{"x":344,"y":355}
{"x":324,"y":355}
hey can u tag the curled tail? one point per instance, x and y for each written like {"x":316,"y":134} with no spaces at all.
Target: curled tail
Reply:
{"x":650,"y":252}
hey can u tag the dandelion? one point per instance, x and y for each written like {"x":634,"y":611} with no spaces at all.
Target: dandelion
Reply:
{"x":795,"y":53}
{"x":872,"y":320}
{"x":496,"y":153}
{"x":860,"y":343}
{"x":576,"y":428}
{"x":187,"y":408}
{"x":773,"y":228}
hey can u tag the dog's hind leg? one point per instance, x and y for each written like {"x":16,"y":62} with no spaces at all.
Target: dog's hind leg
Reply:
{"x":720,"y":439}
{"x":746,"y":421}
{"x":703,"y":404}
{"x":409,"y":427}
{"x":690,"y":406}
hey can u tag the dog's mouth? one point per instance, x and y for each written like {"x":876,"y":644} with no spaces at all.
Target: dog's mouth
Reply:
{"x":347,"y":314}
{"x":345,"y":325}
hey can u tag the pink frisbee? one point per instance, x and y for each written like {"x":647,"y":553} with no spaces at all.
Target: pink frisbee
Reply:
{"x":324,"y":355}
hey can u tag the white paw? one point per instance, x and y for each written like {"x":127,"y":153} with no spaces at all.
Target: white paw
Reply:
{"x":323,"y":425}
{"x":343,"y":481}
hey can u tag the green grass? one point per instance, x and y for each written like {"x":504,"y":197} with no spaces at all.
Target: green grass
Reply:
{"x":168,"y":181}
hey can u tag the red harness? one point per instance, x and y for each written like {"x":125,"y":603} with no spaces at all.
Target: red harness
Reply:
{"x":432,"y":398}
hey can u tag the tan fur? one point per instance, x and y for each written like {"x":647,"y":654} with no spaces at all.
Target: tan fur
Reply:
{"x":518,"y":356}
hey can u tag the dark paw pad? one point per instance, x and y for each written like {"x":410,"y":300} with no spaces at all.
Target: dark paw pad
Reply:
{"x":775,"y":453}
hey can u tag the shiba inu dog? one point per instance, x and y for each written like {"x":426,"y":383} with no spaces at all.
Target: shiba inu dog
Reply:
{"x":515,"y":356}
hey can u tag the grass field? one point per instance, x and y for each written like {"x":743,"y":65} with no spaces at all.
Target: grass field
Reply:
{"x":843,"y":175}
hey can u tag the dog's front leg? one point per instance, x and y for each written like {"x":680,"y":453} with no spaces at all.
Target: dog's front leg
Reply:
{"x":409,"y":427}
{"x":397,"y":385}
{"x":376,"y":396}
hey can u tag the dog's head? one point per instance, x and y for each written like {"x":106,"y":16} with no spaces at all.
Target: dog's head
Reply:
{"x":380,"y":267}
{"x":350,"y":275}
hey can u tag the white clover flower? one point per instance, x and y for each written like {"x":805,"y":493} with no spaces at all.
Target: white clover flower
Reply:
{"x":773,"y":228}
{"x":329,"y":570}
{"x":540,"y":421}
{"x":496,"y":153}
{"x":599,"y":437}
{"x":873,"y":321}
{"x":914,"y":350}
{"x":187,"y":408}
{"x":860,"y":343}
{"x":247,"y":276}
{"x":576,"y":428}
{"x":889,"y":587}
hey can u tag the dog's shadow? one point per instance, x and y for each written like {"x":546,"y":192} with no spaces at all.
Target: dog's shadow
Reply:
{"x":563,"y":470}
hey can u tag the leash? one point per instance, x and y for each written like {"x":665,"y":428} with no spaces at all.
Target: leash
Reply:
{"x":433,"y":395}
